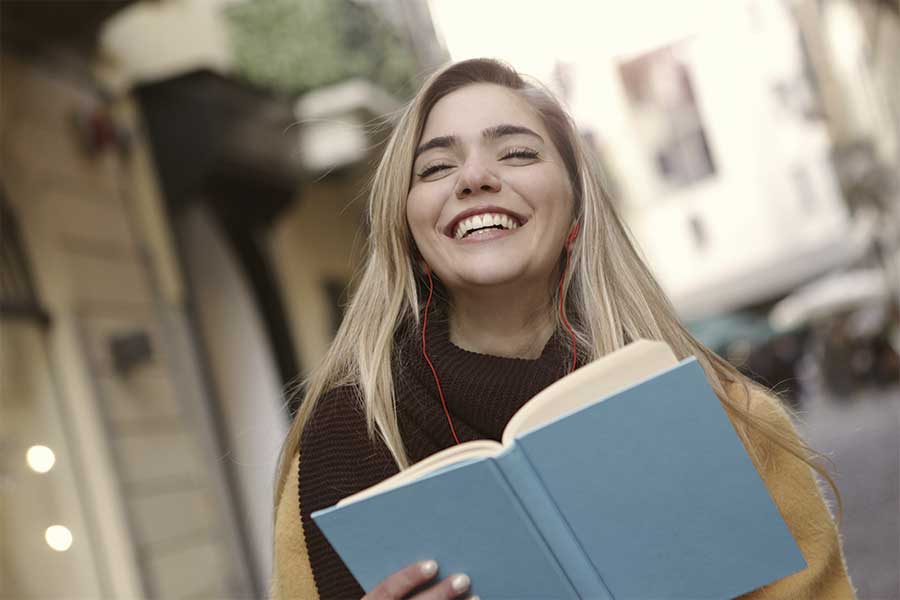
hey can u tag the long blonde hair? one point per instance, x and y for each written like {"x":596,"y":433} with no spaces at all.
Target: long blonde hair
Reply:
{"x":610,"y":296}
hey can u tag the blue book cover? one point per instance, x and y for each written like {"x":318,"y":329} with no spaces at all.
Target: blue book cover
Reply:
{"x":647,"y":493}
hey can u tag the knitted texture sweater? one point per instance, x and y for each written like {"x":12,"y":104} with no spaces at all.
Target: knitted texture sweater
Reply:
{"x":336,"y":458}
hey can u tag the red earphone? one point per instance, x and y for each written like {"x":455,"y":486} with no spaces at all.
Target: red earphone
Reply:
{"x":562,"y":313}
{"x":572,"y":235}
{"x":425,"y":353}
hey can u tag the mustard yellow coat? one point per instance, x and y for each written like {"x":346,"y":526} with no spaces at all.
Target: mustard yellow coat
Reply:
{"x":790,"y":482}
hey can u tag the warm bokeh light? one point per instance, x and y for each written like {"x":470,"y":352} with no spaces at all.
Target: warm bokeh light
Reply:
{"x":40,"y":458}
{"x":58,"y":537}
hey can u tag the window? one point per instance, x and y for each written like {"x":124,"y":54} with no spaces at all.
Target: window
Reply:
{"x":661,"y":97}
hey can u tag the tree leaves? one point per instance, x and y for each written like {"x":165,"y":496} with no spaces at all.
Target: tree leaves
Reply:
{"x":293,"y":46}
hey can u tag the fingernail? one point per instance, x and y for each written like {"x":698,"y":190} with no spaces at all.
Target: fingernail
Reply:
{"x":429,"y":568}
{"x":460,"y":583}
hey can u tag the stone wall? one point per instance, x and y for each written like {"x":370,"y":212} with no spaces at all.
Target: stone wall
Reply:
{"x":98,"y":246}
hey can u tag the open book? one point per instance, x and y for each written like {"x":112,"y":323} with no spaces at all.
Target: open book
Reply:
{"x":624,"y":479}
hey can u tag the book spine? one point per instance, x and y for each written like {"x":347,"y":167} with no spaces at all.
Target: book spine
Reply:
{"x":527,"y":485}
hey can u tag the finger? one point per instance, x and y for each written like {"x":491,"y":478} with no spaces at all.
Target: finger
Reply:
{"x":451,"y":587}
{"x":404,"y":581}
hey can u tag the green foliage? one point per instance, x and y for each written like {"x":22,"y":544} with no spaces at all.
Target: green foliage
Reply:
{"x":292,"y":46}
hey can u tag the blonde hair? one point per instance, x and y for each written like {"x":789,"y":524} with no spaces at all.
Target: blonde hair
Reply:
{"x":610,"y":296}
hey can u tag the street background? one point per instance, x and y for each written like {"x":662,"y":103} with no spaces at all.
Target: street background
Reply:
{"x":182,"y":185}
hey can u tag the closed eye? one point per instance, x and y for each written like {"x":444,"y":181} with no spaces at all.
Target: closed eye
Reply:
{"x":433,"y":168}
{"x":522,"y":153}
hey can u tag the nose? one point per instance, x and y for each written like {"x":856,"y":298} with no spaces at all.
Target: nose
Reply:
{"x":475,"y":177}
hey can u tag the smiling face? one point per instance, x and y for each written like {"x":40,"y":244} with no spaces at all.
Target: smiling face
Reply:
{"x":490,"y":202}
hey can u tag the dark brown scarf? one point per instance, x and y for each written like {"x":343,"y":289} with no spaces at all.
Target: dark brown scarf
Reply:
{"x":338,"y":459}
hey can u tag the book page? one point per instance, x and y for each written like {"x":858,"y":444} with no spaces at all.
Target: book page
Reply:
{"x":438,"y":460}
{"x":615,"y":371}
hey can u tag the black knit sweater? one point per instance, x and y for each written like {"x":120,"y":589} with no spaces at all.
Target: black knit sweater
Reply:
{"x":337,"y":458}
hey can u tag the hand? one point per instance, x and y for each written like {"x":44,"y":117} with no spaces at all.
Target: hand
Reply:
{"x":411,"y":577}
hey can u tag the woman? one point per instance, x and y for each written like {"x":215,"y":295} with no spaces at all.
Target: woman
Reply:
{"x":497,"y":264}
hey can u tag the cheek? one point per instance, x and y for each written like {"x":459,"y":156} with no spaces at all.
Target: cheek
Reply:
{"x":419,"y":216}
{"x":414,"y":211}
{"x":552,"y":196}
{"x":422,"y":211}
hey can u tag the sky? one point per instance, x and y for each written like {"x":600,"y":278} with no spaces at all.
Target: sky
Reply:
{"x":533,"y":36}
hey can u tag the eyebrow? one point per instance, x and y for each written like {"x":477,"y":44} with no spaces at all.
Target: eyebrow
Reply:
{"x":491,"y":133}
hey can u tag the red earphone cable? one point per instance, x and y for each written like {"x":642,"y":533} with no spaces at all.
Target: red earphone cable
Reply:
{"x":562,"y":314}
{"x":562,"y":311}
{"x":428,"y":360}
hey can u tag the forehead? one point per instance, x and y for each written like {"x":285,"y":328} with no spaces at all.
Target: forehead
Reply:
{"x":470,"y":110}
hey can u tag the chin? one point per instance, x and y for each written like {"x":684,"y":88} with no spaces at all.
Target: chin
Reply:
{"x":485,"y":274}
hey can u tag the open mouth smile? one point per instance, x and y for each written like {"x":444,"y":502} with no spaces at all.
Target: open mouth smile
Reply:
{"x":482,"y":223}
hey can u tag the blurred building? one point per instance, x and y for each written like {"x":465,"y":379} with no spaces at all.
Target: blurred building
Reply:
{"x":180,"y":222}
{"x":176,"y":244}
{"x":853,"y":48}
{"x":723,"y":156}
{"x":732,"y":135}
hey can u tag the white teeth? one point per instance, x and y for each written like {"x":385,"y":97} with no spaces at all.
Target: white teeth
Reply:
{"x":466,"y":226}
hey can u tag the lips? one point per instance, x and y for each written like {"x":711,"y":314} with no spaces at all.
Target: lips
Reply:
{"x":516,"y":219}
